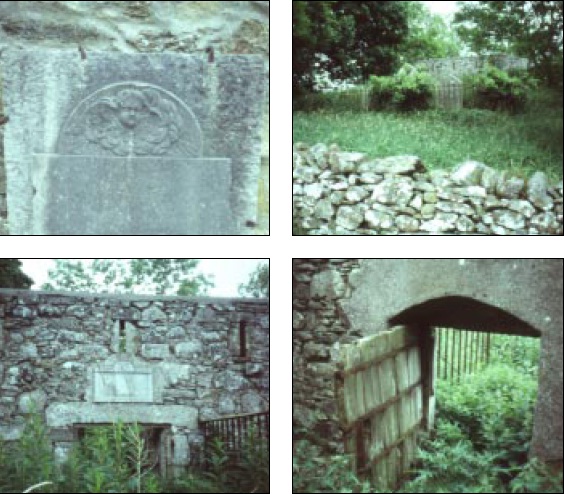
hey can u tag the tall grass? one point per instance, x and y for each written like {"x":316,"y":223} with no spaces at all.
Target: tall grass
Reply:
{"x":116,"y":459}
{"x":520,"y":143}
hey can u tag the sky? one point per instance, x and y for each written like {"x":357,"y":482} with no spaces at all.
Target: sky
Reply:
{"x":446,"y":9}
{"x":227,"y":273}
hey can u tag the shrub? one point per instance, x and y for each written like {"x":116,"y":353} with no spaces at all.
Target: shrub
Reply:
{"x":496,"y":89}
{"x":408,"y":89}
{"x":313,"y":472}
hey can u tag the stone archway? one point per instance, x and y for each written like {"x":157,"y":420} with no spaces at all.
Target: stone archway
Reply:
{"x":338,"y":301}
{"x":525,"y":294}
{"x":462,"y":313}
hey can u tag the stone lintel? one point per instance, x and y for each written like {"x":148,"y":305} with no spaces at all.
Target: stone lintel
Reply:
{"x":67,"y":414}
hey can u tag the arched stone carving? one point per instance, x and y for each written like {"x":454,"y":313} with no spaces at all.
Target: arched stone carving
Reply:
{"x":131,"y":119}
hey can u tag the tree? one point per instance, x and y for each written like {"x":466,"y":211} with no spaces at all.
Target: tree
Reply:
{"x":11,"y":275}
{"x":429,"y":35}
{"x":259,"y":283}
{"x":150,"y":276}
{"x":347,"y":39}
{"x":530,"y":29}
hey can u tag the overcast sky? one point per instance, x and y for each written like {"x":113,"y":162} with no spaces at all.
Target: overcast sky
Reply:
{"x":227,"y":273}
{"x":443,"y":8}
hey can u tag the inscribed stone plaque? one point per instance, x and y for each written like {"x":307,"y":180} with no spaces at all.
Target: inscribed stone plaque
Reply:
{"x":159,"y":144}
{"x":123,"y":386}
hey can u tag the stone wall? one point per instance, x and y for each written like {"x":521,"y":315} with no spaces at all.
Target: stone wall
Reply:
{"x":458,"y":66}
{"x":347,"y":193}
{"x":88,"y":358}
{"x":185,"y":27}
{"x":336,"y":301}
{"x":319,"y":327}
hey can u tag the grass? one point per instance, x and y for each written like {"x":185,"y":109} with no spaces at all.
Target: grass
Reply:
{"x":520,"y":144}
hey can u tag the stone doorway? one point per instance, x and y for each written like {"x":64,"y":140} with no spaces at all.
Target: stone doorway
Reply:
{"x":460,"y":313}
{"x":156,"y":437}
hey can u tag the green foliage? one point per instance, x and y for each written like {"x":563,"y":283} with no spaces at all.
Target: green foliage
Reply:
{"x":151,"y":276}
{"x":36,"y":462}
{"x":532,"y":29}
{"x":536,"y":477}
{"x":312,"y":472}
{"x":116,"y":459}
{"x":344,"y":100}
{"x":496,"y":89}
{"x":356,"y":39}
{"x":112,"y":458}
{"x":429,"y":35}
{"x":11,"y":275}
{"x":408,"y":89}
{"x":523,"y":353}
{"x":28,"y":461}
{"x":258,"y":284}
{"x":449,"y":463}
{"x":253,"y":473}
{"x":494,"y":408}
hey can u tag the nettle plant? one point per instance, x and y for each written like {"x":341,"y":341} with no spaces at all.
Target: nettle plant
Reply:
{"x":496,"y":89}
{"x":408,"y":89}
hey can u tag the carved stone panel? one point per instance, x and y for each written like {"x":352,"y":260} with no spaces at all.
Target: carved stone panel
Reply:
{"x":131,"y":119}
{"x":111,"y":386}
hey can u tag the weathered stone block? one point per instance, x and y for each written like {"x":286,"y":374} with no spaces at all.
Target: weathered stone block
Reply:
{"x":29,"y":351}
{"x":65,"y":414}
{"x":32,"y":401}
{"x":155,"y":352}
{"x":188,"y":349}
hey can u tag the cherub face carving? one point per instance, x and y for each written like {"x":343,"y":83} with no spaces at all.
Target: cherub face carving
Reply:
{"x":130,"y":108}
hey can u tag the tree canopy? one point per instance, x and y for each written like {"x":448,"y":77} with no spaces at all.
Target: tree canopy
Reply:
{"x":347,"y":39}
{"x":258,"y":284}
{"x":429,"y":36}
{"x":530,"y":29}
{"x":149,"y":276}
{"x":12,"y":276}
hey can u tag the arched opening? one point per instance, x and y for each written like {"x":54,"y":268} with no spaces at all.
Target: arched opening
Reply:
{"x":473,"y":340}
{"x":463,"y":313}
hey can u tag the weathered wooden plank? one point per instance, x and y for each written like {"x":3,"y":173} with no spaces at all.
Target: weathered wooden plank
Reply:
{"x":365,"y":376}
{"x":387,"y":380}
{"x":402,"y":371}
{"x":380,"y":400}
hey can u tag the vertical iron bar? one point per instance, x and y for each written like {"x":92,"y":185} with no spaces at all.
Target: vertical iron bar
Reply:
{"x":452,"y":355}
{"x":466,"y":372}
{"x":478,"y":336}
{"x":488,"y":349}
{"x":459,"y":353}
{"x":438,"y":363}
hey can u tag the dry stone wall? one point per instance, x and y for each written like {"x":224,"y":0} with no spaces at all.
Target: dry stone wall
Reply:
{"x":87,"y":358}
{"x":319,"y":327}
{"x":459,"y":66}
{"x":348,"y":193}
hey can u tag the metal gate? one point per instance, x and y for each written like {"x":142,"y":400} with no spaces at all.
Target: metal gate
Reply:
{"x":384,"y":390}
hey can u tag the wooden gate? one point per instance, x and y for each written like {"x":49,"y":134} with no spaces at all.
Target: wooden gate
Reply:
{"x":384,"y":394}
